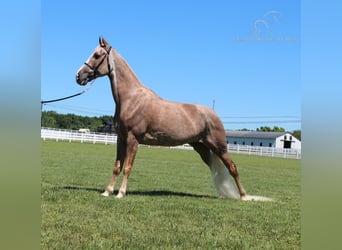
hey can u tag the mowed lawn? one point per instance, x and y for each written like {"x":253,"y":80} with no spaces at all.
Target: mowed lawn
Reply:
{"x":171,"y":201}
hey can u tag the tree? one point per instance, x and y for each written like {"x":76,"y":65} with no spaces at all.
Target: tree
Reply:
{"x":298,"y":134}
{"x":48,"y":119}
{"x":278,"y":129}
{"x":268,"y":129}
{"x":264,"y":129}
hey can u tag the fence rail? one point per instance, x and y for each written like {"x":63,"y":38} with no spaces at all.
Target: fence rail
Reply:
{"x":103,"y":138}
{"x":265,"y":151}
{"x":77,"y":136}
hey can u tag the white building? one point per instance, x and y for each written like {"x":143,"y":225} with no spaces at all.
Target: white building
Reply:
{"x":263,"y":139}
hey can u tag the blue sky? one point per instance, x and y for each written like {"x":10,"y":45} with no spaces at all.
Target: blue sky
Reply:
{"x":245,"y":55}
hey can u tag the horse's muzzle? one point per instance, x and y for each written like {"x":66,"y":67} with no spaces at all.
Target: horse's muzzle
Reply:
{"x":82,"y":80}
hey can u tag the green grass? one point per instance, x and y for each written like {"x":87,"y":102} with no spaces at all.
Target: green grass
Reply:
{"x":171,"y":202}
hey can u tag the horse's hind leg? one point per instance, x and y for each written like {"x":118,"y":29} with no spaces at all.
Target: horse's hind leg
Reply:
{"x":206,"y":154}
{"x":219,"y":147}
{"x":228,"y":162}
{"x":120,"y":158}
{"x":203,"y":151}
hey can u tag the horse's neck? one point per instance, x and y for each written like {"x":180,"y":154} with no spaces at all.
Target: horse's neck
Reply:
{"x":126,"y":87}
{"x":123,"y":80}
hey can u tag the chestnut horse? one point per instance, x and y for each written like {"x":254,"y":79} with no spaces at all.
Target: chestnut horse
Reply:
{"x":143,"y":117}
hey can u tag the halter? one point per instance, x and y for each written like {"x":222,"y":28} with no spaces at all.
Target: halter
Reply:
{"x":95,"y":69}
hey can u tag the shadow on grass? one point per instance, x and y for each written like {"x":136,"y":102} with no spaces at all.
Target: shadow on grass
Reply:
{"x":143,"y":193}
{"x":167,"y":193}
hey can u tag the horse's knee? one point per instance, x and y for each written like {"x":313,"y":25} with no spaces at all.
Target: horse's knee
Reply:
{"x":127,"y":170}
{"x":118,"y":167}
{"x":117,"y":170}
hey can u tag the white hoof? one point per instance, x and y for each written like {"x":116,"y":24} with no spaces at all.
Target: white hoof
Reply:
{"x":119,"y":196}
{"x":105,"y":194}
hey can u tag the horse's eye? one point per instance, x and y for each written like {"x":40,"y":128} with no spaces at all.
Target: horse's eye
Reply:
{"x":96,"y":56}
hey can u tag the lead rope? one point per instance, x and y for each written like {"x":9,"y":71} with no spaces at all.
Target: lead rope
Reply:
{"x":71,"y":96}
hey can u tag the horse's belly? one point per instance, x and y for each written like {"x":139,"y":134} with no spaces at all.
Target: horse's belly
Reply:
{"x":174,"y":124}
{"x":164,"y":139}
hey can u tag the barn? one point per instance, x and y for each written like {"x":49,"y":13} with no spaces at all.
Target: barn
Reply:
{"x":263,"y":139}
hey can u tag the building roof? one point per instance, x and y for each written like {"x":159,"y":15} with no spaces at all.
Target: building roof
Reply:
{"x":254,"y":134}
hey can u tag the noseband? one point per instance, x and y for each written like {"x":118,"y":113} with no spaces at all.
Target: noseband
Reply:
{"x":95,"y":69}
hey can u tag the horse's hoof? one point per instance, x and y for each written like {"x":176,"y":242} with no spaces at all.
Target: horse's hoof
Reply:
{"x":119,"y":196}
{"x":105,"y":194}
{"x":244,"y":197}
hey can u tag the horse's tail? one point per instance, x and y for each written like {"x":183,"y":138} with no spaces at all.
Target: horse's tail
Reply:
{"x":224,"y":186}
{"x":223,"y":182}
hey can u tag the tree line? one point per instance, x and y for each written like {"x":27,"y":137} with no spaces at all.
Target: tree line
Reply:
{"x":295,"y":133}
{"x":52,"y":119}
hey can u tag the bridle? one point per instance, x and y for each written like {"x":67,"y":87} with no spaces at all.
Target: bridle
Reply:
{"x":95,"y":69}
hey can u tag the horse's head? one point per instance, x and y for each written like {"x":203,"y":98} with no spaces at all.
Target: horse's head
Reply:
{"x":96,"y":65}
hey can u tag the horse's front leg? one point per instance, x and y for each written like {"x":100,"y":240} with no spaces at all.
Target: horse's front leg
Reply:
{"x":120,"y":158}
{"x":131,"y":150}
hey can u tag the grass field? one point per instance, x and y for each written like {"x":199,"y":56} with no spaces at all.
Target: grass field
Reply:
{"x":171,"y":202}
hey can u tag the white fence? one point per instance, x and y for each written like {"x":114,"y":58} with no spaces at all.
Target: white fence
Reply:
{"x":265,"y":151}
{"x":76,"y":136}
{"x":103,"y":138}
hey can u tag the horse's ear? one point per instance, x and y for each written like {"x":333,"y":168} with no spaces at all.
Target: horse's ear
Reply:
{"x":102,"y":42}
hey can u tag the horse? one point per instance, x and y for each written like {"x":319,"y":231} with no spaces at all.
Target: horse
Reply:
{"x":142,"y":117}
